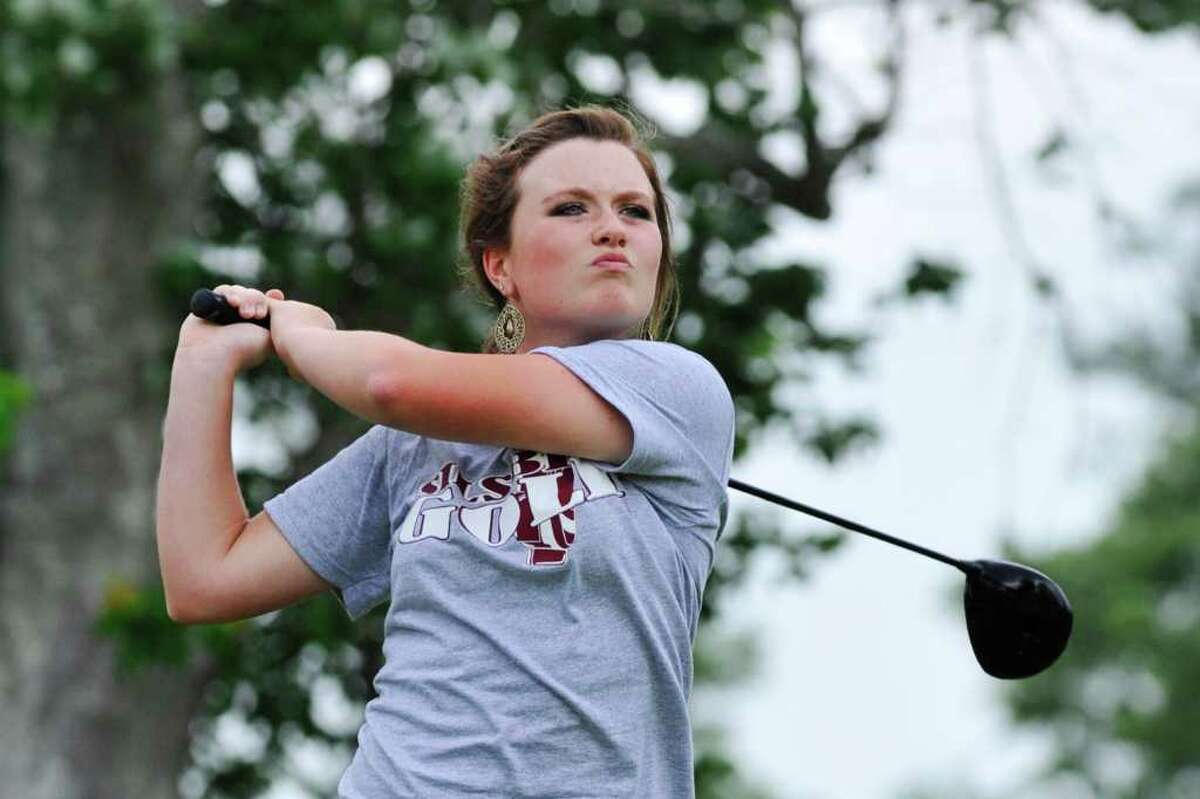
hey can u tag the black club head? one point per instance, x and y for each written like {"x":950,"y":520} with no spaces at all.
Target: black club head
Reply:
{"x":1018,"y":619}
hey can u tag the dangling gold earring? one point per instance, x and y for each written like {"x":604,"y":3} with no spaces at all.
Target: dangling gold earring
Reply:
{"x":509,"y":331}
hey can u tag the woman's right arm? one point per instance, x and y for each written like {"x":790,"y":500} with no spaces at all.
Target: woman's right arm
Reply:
{"x":217,"y":564}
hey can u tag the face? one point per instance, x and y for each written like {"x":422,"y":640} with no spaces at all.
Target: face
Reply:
{"x":578,"y":200}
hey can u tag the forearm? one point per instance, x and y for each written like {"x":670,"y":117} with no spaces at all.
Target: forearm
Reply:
{"x":199,"y":507}
{"x":347,"y":365}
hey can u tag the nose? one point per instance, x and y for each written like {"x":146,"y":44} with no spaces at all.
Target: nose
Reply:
{"x":608,"y":230}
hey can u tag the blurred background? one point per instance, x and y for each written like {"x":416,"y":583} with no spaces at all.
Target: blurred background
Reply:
{"x":945,"y":255}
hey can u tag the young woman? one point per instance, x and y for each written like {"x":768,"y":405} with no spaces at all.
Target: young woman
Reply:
{"x":541,"y":517}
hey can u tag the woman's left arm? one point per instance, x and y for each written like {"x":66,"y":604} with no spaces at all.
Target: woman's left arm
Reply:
{"x":522,"y":401}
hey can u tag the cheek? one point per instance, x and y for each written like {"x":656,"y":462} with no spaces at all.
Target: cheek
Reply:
{"x":651,"y":247}
{"x":545,"y":266}
{"x":546,"y":247}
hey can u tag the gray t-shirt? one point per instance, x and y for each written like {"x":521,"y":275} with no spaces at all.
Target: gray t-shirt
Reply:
{"x":543,"y":607}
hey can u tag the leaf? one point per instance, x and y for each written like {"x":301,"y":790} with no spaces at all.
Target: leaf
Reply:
{"x":15,"y":396}
{"x":1055,"y":144}
{"x":932,"y":277}
{"x":832,"y":440}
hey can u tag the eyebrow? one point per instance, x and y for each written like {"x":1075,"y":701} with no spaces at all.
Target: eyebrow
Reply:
{"x":579,"y":191}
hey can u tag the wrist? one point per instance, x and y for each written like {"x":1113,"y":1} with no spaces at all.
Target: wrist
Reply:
{"x":205,"y":361}
{"x":290,"y":316}
{"x":283,"y":344}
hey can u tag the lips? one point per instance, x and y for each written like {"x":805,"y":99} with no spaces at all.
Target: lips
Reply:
{"x":612,"y":261}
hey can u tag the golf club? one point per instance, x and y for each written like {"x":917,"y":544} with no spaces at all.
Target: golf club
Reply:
{"x":1018,"y":619}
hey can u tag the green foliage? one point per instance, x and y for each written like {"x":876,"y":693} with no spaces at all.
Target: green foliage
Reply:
{"x":15,"y":394}
{"x":759,"y":534}
{"x":143,"y":635}
{"x":265,"y":670}
{"x":723,"y":657}
{"x":1150,"y":16}
{"x":931,"y":277}
{"x":71,"y":57}
{"x":1153,"y":16}
{"x":717,"y":776}
{"x":833,"y":440}
{"x":266,"y":673}
{"x":1056,"y":143}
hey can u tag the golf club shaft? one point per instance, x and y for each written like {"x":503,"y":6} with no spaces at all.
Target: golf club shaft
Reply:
{"x":849,"y":525}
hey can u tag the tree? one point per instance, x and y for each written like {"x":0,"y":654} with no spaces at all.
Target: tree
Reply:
{"x":95,"y":182}
{"x":14,"y":397}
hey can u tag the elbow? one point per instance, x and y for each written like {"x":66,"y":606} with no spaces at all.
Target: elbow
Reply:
{"x":179,"y":605}
{"x":179,"y":611}
{"x":183,"y":604}
{"x":383,"y":391}
{"x":401,"y":381}
{"x":405,"y":388}
{"x":194,"y":609}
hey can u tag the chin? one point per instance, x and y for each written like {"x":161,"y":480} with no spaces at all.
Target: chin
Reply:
{"x":612,"y":320}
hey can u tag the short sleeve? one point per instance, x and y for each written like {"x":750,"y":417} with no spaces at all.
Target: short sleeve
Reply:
{"x":337,"y":519}
{"x":679,"y":408}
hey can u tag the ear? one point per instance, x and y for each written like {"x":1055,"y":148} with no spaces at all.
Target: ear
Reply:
{"x":495,"y":266}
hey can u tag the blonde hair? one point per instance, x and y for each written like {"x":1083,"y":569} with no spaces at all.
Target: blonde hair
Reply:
{"x":488,"y":196}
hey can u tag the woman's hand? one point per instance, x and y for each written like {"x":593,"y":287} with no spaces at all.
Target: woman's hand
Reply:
{"x":243,"y":346}
{"x":289,"y":316}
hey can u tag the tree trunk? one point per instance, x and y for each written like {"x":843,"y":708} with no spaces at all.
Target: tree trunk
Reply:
{"x":86,"y":207}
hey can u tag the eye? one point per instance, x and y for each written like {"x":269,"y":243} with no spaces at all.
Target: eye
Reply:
{"x":640,"y":210}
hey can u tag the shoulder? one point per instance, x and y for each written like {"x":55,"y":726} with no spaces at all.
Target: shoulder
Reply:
{"x":634,"y":352}
{"x":661,"y":371}
{"x":674,"y":361}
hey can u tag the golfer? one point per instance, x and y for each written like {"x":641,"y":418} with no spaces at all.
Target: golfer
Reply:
{"x":540,"y":517}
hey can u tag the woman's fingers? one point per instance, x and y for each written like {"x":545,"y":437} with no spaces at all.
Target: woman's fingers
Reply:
{"x":233,"y":295}
{"x":251,"y":303}
{"x":272,"y":294}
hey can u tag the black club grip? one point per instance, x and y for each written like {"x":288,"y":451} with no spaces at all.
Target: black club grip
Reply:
{"x":212,"y":307}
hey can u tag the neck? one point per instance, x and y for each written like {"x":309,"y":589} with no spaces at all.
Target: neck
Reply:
{"x":568,"y":338}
